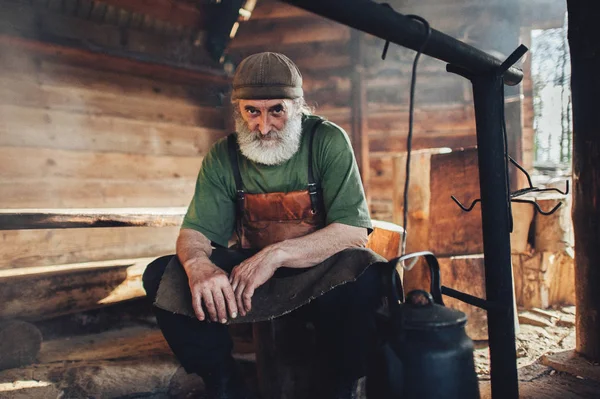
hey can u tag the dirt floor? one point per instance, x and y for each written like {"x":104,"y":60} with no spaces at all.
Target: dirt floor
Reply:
{"x":540,"y":332}
{"x":135,"y":362}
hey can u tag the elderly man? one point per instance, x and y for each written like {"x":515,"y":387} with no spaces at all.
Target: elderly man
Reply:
{"x":288,"y":186}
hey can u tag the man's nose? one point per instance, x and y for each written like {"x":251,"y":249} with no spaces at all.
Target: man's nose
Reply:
{"x":263,"y":125}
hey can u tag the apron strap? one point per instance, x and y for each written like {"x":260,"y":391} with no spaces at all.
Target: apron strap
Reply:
{"x":312,"y":185}
{"x":232,"y":146}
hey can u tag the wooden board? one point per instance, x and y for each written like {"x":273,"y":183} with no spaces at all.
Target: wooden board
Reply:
{"x":36,"y":127}
{"x":37,"y":163}
{"x":94,"y":193}
{"x":33,"y":248}
{"x":29,"y":66}
{"x":76,"y":99}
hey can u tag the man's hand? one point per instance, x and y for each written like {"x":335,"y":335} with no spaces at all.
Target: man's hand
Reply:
{"x":252,"y":273}
{"x":210,"y":286}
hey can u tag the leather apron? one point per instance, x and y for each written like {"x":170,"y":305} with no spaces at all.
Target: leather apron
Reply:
{"x":265,"y":219}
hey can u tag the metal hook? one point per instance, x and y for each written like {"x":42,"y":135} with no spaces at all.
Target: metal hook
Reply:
{"x":464,"y":208}
{"x":537,"y":206}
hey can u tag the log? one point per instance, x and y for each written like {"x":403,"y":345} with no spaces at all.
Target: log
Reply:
{"x":457,"y":232}
{"x":463,"y":273}
{"x":385,"y":239}
{"x":42,"y":293}
{"x":20,"y":343}
{"x":21,"y":219}
{"x":554,"y":233}
{"x":544,"y":279}
{"x":24,"y":249}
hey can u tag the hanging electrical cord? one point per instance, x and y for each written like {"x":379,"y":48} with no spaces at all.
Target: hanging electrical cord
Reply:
{"x":411,"y":110}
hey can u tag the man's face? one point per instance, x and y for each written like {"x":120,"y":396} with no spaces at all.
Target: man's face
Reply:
{"x":265,"y":116}
{"x":269,"y":131}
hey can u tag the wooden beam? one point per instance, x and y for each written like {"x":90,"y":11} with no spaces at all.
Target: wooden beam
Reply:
{"x":261,"y":34}
{"x":585,"y":64}
{"x":173,"y":11}
{"x":123,"y":63}
{"x":359,"y":131}
{"x":22,"y":219}
{"x":277,"y":9}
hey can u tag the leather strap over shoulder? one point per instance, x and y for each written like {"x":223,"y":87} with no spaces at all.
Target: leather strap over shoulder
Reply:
{"x":312,"y":185}
{"x":232,"y":147}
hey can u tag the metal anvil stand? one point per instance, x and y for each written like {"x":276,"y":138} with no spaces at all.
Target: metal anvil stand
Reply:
{"x":488,"y":76}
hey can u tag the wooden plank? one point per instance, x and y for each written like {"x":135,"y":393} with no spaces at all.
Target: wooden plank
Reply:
{"x":265,"y":33}
{"x":454,"y":117}
{"x":26,"y":92}
{"x":30,"y":127}
{"x":94,"y":193}
{"x":25,"y":163}
{"x":395,"y":144}
{"x":46,"y":295}
{"x":104,"y":61}
{"x":32,"y":248}
{"x":54,"y":73}
{"x":22,"y":219}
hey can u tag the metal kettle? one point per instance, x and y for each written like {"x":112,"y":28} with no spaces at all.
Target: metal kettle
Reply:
{"x":425,"y":352}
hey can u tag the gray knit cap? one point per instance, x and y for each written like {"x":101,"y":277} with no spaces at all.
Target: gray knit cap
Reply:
{"x":266,"y":76}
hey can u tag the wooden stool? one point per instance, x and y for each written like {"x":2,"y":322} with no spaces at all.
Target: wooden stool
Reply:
{"x":289,"y":365}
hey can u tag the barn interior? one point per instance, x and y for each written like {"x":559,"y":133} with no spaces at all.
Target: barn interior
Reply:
{"x":107,"y":109}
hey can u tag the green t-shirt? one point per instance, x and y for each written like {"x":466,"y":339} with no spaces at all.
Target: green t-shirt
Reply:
{"x":212,"y":210}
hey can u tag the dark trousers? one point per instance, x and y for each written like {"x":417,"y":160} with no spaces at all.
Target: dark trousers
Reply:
{"x":344,"y":321}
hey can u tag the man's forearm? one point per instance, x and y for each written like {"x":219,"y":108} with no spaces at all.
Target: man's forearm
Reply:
{"x":314,"y":248}
{"x":192,"y":248}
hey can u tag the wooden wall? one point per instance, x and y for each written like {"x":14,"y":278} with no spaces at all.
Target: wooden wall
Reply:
{"x":81,"y":129}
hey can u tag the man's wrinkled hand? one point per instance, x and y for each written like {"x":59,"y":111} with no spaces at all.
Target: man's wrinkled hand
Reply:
{"x":251,"y":274}
{"x":210,"y":286}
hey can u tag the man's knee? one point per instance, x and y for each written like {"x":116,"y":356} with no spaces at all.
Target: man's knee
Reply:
{"x":153,"y":274}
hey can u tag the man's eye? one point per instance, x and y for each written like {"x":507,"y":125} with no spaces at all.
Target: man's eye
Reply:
{"x":253,"y":112}
{"x":277,"y":110}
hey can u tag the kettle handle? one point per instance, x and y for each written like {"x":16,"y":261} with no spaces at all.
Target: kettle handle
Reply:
{"x":434,"y":272}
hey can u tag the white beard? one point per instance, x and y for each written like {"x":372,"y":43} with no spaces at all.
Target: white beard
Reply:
{"x":274,"y":148}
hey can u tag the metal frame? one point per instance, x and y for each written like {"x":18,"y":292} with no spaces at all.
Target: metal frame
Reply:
{"x":488,"y":76}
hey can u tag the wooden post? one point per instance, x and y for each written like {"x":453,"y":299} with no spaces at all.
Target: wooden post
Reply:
{"x":585,"y":84}
{"x":360,"y":139}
